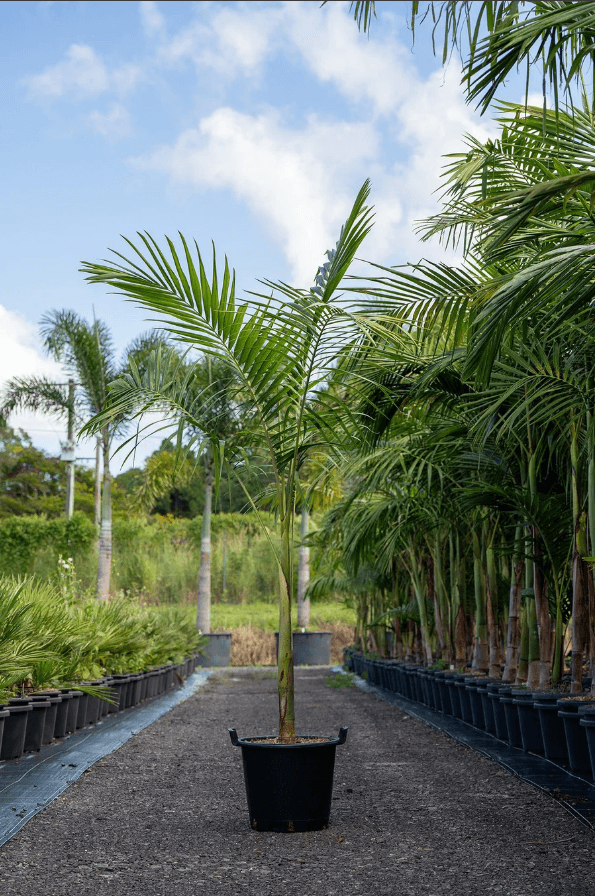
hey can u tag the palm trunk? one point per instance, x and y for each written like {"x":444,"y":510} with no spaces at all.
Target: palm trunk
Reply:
{"x":104,"y":566}
{"x":591,"y":515}
{"x":480,"y":653}
{"x":421,"y":605}
{"x":580,"y":593}
{"x":303,"y":601}
{"x":492,"y":609}
{"x":285,"y":659}
{"x":203,"y":597}
{"x":97,"y":481}
{"x":533,"y":582}
{"x":514,"y":603}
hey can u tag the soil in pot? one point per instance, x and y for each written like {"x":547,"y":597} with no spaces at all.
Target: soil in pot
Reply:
{"x":288,"y":786}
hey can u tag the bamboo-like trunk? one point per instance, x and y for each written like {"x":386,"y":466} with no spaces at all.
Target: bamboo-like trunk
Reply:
{"x":492,"y":611}
{"x":285,"y":658}
{"x":480,"y":653}
{"x":591,"y":526}
{"x":203,"y":597}
{"x":303,"y":601}
{"x":104,"y":559}
{"x":97,"y":496}
{"x":514,"y":604}
{"x":523,"y":670}
{"x":580,"y":591}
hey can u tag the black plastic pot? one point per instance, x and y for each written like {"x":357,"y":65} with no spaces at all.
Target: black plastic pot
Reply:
{"x":576,"y":736}
{"x":51,"y":715}
{"x":62,"y":714}
{"x":217,"y":651}
{"x":500,"y":729}
{"x":4,"y":714}
{"x":81,"y":716}
{"x":452,"y":697}
{"x":73,"y":709}
{"x":483,"y":690}
{"x":471,"y":685}
{"x":464,"y":702}
{"x":309,"y":648}
{"x":512,"y":717}
{"x":15,"y":728}
{"x":36,"y":725}
{"x":529,"y":725}
{"x":552,"y":726}
{"x":288,"y":786}
{"x":587,"y":721}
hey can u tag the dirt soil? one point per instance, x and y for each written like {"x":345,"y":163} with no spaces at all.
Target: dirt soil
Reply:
{"x":414,"y":814}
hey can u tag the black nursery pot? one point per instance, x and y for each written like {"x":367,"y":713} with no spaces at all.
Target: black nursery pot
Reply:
{"x":552,"y":726}
{"x":471,"y":685}
{"x":576,"y":736}
{"x":15,"y":728}
{"x":288,"y":786}
{"x":73,"y":709}
{"x":62,"y":715}
{"x":587,"y":721}
{"x":36,"y":725}
{"x":529,"y":725}
{"x":512,"y":717}
{"x":498,"y":711}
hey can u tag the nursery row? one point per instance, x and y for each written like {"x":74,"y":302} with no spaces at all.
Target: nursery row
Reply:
{"x":560,"y":727}
{"x":29,"y":723}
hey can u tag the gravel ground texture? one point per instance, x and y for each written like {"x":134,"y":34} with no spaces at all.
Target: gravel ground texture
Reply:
{"x":414,"y":813}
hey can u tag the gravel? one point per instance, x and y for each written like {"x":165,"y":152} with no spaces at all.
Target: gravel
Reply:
{"x":414,"y":813}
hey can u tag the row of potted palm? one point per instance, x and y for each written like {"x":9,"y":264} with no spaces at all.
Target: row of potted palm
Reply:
{"x":547,"y":722}
{"x":29,"y":722}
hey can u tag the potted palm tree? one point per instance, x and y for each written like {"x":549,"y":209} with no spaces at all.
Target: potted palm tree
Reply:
{"x":283,"y":348}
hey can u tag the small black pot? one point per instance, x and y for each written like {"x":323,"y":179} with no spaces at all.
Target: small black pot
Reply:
{"x":486,"y":705}
{"x":4,"y":714}
{"x":15,"y":728}
{"x":36,"y":725}
{"x":288,"y":786}
{"x":217,"y":649}
{"x":529,"y":726}
{"x":464,"y":702}
{"x":54,"y":699}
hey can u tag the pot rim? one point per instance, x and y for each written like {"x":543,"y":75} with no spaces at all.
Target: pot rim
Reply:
{"x":248,"y":742}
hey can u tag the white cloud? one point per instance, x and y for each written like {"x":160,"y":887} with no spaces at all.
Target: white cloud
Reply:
{"x":113,"y":124}
{"x":84,"y":74}
{"x":21,"y":356}
{"x":152,"y":20}
{"x":235,"y":40}
{"x":294,"y":180}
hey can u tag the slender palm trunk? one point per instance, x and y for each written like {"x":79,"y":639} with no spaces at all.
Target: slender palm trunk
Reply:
{"x":480,"y":653}
{"x":203,"y":597}
{"x":97,"y":481}
{"x":591,"y":516}
{"x":303,"y":601}
{"x":104,"y":566}
{"x":492,"y":607}
{"x":514,"y":604}
{"x":580,"y":592}
{"x":285,"y":659}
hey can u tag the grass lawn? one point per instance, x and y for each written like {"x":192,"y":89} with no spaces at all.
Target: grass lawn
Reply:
{"x":265,"y":616}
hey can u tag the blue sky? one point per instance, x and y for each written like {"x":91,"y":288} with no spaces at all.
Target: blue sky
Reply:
{"x":250,"y":124}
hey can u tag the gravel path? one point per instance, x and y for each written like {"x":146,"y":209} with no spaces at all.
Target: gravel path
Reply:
{"x":414,"y":814}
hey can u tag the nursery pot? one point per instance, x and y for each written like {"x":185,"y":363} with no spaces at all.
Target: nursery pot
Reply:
{"x":586,"y":721}
{"x":51,"y":715}
{"x":73,"y":708}
{"x":576,"y":737}
{"x":552,"y":726}
{"x":498,"y":711}
{"x":512,"y":717}
{"x":36,"y":725}
{"x":529,"y":725}
{"x":15,"y":728}
{"x":62,"y":715}
{"x":464,"y":703}
{"x":288,"y":786}
{"x":471,"y":685}
{"x":312,"y":649}
{"x":217,"y":650}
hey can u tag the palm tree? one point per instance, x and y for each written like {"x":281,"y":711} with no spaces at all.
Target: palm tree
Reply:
{"x":87,"y":353}
{"x":282,"y":349}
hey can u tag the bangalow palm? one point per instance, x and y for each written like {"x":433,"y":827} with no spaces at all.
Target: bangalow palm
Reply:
{"x":281,"y":348}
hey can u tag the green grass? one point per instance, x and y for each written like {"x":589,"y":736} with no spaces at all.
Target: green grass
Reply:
{"x":340,"y":681}
{"x":265,"y":616}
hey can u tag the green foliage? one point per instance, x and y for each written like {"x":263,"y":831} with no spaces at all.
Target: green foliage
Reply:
{"x":22,"y":538}
{"x":47,"y":639}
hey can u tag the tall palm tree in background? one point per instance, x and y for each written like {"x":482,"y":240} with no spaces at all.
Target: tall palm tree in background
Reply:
{"x":86,"y":351}
{"x":203,"y":399}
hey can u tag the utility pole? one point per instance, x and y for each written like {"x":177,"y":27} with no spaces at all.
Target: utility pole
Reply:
{"x":69,"y":452}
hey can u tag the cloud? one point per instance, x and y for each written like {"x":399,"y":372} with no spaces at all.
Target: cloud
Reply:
{"x":294,"y":180}
{"x":152,"y":20}
{"x":83,"y":74}
{"x":21,"y":356}
{"x":234,"y":41}
{"x":113,"y":124}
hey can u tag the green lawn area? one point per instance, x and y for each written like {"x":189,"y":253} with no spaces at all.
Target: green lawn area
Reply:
{"x":265,"y":616}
